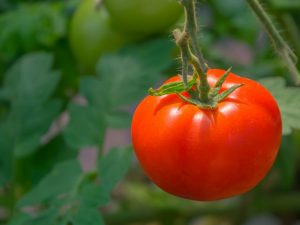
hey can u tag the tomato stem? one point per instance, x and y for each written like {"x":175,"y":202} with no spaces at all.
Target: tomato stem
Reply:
{"x":189,"y":37}
{"x":280,"y":45}
{"x":182,"y":42}
{"x":192,"y":28}
{"x":292,"y":31}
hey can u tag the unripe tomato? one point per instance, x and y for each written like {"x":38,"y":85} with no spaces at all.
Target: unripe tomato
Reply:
{"x":208,"y":154}
{"x":91,"y":34}
{"x":144,"y":17}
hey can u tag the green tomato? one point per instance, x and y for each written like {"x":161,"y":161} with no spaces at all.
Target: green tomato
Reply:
{"x":91,"y":35}
{"x":144,"y":17}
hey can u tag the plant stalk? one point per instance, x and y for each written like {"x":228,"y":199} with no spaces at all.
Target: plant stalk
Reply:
{"x":280,"y":45}
{"x":292,"y":31}
{"x":189,"y":35}
{"x":192,"y":28}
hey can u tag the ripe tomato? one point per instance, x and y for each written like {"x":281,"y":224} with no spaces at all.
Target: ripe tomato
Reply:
{"x":91,"y":34}
{"x":208,"y":154}
{"x":144,"y":17}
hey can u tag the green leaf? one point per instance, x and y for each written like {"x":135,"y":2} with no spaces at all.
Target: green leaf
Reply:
{"x":57,"y":193}
{"x":118,"y":119}
{"x":28,"y":132}
{"x":113,"y":166}
{"x":61,"y":180}
{"x":127,"y":75}
{"x":122,"y":80}
{"x":70,"y":195}
{"x":48,"y":156}
{"x":31,"y":79}
{"x":47,"y":217}
{"x":94,"y":195}
{"x":88,"y":216}
{"x":86,"y":127}
{"x":31,"y":111}
{"x":288,"y":99}
{"x":27,"y":87}
{"x":147,"y":53}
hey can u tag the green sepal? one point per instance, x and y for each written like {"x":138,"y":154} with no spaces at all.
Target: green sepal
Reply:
{"x":227,"y":92}
{"x":212,"y":104}
{"x":173,"y":87}
{"x":215,"y":90}
{"x":214,"y":96}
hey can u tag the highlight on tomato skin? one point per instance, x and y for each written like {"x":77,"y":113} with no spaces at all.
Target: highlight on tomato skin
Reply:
{"x":208,"y":154}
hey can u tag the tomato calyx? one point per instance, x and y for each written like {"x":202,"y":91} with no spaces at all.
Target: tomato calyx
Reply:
{"x":193,"y":88}
{"x":173,"y":87}
{"x":197,"y":87}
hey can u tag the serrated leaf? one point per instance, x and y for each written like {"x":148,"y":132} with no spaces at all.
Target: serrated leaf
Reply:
{"x":56,"y":151}
{"x":148,"y":53}
{"x":288,"y":99}
{"x":31,"y":77}
{"x":119,"y":119}
{"x":129,"y":73}
{"x":30,"y":131}
{"x":57,"y":192}
{"x":94,"y":195}
{"x":47,"y":217}
{"x":86,"y":127}
{"x":61,"y":180}
{"x":123,"y":86}
{"x":27,"y":87}
{"x":29,"y":84}
{"x":87,"y":216}
{"x":69,"y":195}
{"x":94,"y":91}
{"x":122,"y":79}
{"x":113,"y":166}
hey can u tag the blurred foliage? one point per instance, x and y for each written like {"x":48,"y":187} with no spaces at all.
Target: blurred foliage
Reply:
{"x":31,"y":27}
{"x":50,"y":110}
{"x":76,"y":195}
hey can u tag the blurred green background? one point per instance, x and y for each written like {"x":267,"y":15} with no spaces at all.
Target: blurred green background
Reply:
{"x":71,"y":74}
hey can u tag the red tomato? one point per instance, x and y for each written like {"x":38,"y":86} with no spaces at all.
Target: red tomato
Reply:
{"x":208,"y":154}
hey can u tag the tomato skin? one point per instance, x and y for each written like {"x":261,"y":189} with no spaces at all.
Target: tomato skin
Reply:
{"x":91,"y":34}
{"x":144,"y":17}
{"x":208,"y":154}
